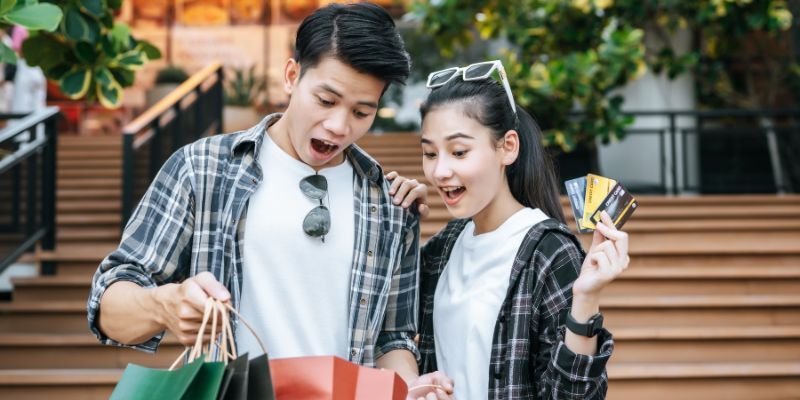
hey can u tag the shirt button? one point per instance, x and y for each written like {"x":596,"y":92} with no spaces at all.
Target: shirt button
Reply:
{"x":353,"y":352}
{"x":369,"y":253}
{"x":255,"y":180}
{"x":498,"y":375}
{"x":502,"y":318}
{"x":373,"y":209}
{"x":363,"y":301}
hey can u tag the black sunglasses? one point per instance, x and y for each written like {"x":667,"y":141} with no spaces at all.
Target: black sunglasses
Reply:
{"x":317,"y":222}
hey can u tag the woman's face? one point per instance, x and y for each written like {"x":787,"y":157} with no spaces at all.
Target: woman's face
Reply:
{"x":463,"y":160}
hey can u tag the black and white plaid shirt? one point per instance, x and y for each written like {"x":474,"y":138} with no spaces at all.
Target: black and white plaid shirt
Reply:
{"x":192,"y":219}
{"x":529,"y":359}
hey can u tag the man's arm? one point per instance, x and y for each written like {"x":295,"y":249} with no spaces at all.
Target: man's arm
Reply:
{"x":124,"y":307}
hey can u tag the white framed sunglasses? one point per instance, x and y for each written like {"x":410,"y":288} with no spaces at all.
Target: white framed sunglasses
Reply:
{"x":473,"y":72}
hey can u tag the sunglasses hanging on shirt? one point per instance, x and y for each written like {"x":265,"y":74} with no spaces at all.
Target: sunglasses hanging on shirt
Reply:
{"x":317,"y":222}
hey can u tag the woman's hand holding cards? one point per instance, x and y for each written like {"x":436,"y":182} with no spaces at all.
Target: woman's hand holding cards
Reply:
{"x":606,"y":259}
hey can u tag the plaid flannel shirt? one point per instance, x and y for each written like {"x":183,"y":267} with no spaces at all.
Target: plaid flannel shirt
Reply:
{"x":529,"y":359}
{"x":192,"y":219}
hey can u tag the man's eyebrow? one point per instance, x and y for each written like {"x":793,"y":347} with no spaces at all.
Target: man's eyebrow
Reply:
{"x":328,"y":88}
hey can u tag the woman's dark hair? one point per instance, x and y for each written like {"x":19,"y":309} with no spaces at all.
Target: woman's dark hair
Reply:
{"x":531,"y":177}
{"x":361,"y":35}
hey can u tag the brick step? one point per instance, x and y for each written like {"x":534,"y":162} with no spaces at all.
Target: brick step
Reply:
{"x":79,"y":269}
{"x":707,"y":345}
{"x":87,"y":172}
{"x":88,"y":206}
{"x":713,"y":271}
{"x":701,"y":311}
{"x":699,"y":262}
{"x":90,"y":153}
{"x":694,"y":286}
{"x":89,"y":194}
{"x":43,"y":317}
{"x":111,"y":163}
{"x":58,"y":384}
{"x":88,"y":234}
{"x":67,"y":141}
{"x":88,"y":219}
{"x":89,"y":183}
{"x":702,"y":381}
{"x":51,"y":351}
{"x":52,"y":288}
{"x":78,"y":252}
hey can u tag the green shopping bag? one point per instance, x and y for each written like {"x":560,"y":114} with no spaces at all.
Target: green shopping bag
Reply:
{"x":199,"y":379}
{"x":196,"y":380}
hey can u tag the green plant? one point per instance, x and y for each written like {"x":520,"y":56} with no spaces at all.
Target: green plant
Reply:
{"x":90,"y":55}
{"x":565,"y":56}
{"x":29,"y":14}
{"x":243,"y":87}
{"x":171,"y":74}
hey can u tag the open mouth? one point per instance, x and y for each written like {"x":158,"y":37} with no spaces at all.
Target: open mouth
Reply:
{"x":452,"y":193}
{"x":323,"y":147}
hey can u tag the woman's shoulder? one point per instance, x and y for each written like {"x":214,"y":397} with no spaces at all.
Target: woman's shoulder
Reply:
{"x":551,"y":238}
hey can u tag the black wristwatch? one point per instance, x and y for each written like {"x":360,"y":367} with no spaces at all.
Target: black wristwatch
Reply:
{"x":591,"y":328}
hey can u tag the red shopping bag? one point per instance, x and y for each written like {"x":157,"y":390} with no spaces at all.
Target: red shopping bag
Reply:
{"x":333,"y":378}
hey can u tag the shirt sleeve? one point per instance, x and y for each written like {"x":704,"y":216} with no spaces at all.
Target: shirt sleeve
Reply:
{"x":400,"y":324}
{"x":565,"y":374}
{"x":156,"y":242}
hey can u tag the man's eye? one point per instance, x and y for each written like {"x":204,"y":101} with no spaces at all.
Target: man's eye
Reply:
{"x":360,"y":114}
{"x":325,"y":102}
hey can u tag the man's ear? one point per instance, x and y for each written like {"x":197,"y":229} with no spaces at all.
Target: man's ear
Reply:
{"x":510,"y":147}
{"x":291,"y":75}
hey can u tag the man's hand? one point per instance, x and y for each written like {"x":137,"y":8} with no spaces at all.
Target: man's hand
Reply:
{"x":432,"y":386}
{"x":406,"y":191}
{"x":181,"y":305}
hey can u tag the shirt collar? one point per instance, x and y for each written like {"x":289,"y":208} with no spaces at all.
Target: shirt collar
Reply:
{"x":364,"y":165}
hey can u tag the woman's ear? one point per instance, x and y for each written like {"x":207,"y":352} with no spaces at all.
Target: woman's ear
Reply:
{"x":510,"y":147}
{"x":291,"y":75}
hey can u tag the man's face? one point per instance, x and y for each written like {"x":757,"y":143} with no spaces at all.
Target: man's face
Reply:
{"x":331,"y":107}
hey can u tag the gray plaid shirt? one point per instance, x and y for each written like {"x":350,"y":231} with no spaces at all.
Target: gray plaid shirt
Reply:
{"x":192,"y":219}
{"x":529,"y":359}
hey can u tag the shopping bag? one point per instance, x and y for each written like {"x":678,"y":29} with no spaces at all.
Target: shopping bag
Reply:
{"x":199,"y":379}
{"x":333,"y":378}
{"x":249,"y":379}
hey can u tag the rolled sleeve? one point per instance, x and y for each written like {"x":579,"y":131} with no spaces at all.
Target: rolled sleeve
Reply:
{"x":155,"y":246}
{"x":400,"y":326}
{"x":580,"y":367}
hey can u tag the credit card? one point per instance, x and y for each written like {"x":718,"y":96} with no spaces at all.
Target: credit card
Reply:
{"x":619,"y":204}
{"x":576,"y":192}
{"x":597,"y":188}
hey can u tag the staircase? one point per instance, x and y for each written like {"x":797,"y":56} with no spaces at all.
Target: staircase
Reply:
{"x":710,"y":308}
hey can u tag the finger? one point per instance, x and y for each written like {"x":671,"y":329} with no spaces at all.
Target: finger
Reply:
{"x":441,"y":395}
{"x":619,"y":238}
{"x":431,"y":396}
{"x":212,"y":287}
{"x":418,"y":192}
{"x":194,"y":296}
{"x":608,"y":248}
{"x":396,"y":184}
{"x":424,"y":211}
{"x":404,"y":189}
{"x":392,"y":175}
{"x":597,"y":238}
{"x":601,"y":260}
{"x":444,"y":381}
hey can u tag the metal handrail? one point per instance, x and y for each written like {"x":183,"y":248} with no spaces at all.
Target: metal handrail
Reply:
{"x":192,"y":110}
{"x":37,"y":148}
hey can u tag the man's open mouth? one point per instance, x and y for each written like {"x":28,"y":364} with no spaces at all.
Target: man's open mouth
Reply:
{"x":323,"y":146}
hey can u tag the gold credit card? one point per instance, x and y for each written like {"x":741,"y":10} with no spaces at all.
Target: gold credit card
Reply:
{"x":597,"y":188}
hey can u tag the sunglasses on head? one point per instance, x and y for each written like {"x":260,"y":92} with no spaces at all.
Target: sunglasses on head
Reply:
{"x":317,"y":222}
{"x":473,"y":72}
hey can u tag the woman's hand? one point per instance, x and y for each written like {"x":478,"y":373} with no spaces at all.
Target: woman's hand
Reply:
{"x":606,"y":259}
{"x":405,"y":191}
{"x":432,"y":386}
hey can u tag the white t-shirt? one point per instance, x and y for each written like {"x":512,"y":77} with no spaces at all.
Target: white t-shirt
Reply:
{"x":295,"y":288}
{"x":468,"y":298}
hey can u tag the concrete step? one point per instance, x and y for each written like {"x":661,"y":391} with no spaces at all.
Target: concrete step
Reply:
{"x":89,"y":183}
{"x":89,"y":172}
{"x":88,"y":234}
{"x":89,"y":194}
{"x":88,"y":206}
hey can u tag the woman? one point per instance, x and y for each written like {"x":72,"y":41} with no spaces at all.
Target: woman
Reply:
{"x":509,"y":300}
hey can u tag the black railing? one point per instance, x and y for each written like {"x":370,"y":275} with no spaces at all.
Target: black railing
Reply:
{"x":191,"y":111}
{"x":722,"y":151}
{"x":28,"y":185}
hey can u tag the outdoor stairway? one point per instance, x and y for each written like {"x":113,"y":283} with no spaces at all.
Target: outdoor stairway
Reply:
{"x":710,"y":308}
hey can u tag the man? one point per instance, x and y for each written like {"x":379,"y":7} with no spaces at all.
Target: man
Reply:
{"x":288,"y":220}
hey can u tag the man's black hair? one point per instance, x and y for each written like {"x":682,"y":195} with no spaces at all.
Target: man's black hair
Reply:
{"x":361,"y":35}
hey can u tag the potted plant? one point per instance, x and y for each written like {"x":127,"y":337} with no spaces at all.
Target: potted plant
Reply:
{"x":167,"y":79}
{"x":244,"y":90}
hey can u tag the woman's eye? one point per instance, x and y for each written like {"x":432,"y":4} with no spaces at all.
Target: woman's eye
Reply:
{"x":460,"y":153}
{"x":428,"y":155}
